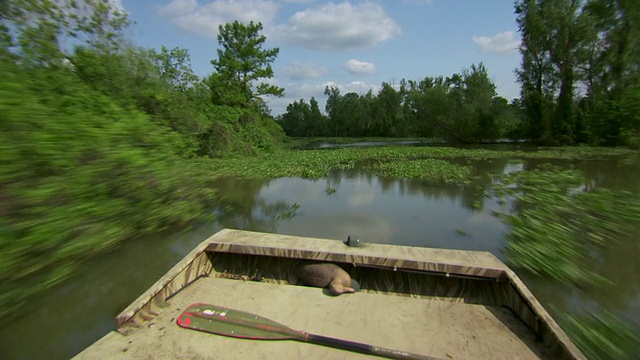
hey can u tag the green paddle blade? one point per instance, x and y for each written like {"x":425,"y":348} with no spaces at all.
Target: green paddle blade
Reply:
{"x":228,"y":322}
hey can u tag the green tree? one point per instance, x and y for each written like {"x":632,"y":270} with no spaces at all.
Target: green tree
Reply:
{"x":610,"y":73}
{"x":241,"y":62}
{"x":483,"y":104}
{"x":537,"y":73}
{"x":175,"y":68}
{"x":461,"y":108}
{"x":296,"y":120}
{"x":337,"y":123}
{"x":566,"y":42}
{"x":317,"y":121}
{"x":388,"y":112}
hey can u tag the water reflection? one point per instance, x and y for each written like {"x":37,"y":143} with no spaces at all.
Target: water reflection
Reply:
{"x":380,"y":210}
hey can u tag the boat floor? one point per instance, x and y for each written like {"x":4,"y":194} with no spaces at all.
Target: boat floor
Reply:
{"x":433,"y":327}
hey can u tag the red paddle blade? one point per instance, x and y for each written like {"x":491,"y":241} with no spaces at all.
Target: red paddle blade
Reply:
{"x":228,"y":322}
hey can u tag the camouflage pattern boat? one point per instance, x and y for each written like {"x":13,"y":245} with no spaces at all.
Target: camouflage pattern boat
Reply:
{"x":446,"y":304}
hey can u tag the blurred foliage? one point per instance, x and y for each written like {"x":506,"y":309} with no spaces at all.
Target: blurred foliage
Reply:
{"x":601,"y":335}
{"x":560,"y":226}
{"x":557,"y":227}
{"x":95,"y":134}
{"x":80,"y":174}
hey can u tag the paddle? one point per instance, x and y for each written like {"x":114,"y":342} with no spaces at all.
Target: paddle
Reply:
{"x":239,"y":324}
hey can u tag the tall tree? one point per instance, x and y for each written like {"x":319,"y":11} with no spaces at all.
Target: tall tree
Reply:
{"x":558,"y":43}
{"x":241,"y":62}
{"x":537,"y":73}
{"x":611,"y":72}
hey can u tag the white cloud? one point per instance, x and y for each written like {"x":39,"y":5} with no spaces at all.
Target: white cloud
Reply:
{"x":500,"y":43}
{"x":193,"y":18}
{"x":299,"y":70}
{"x":340,"y":27}
{"x":358,"y":87}
{"x":359,"y":67}
{"x":418,"y":2}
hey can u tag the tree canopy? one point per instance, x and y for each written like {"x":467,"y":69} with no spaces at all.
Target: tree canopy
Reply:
{"x":241,"y":62}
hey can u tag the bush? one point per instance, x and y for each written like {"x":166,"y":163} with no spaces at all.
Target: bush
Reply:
{"x":79,"y":175}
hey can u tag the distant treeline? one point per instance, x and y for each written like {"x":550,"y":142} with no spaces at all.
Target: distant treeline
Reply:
{"x":461,"y":108}
{"x":580,"y":82}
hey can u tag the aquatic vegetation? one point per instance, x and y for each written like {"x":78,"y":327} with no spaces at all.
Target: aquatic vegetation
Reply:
{"x":434,"y":171}
{"x":396,"y":161}
{"x":330,"y":190}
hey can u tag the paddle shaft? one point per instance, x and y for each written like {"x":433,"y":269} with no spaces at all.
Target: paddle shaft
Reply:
{"x":361,"y":348}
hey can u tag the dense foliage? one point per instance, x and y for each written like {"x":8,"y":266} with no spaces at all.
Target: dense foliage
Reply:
{"x":95,"y":137}
{"x":462,"y":108}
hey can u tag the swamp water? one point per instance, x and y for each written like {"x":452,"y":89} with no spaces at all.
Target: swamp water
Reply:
{"x":67,"y":318}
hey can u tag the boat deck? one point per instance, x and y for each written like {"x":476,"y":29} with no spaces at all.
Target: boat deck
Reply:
{"x":433,"y":327}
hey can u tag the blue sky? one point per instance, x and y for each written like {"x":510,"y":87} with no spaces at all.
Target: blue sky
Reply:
{"x":355,"y":45}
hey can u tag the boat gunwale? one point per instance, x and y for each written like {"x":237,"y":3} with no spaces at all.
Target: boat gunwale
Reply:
{"x":359,"y":260}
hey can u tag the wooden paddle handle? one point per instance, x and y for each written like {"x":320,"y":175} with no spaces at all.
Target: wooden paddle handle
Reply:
{"x":363,"y":348}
